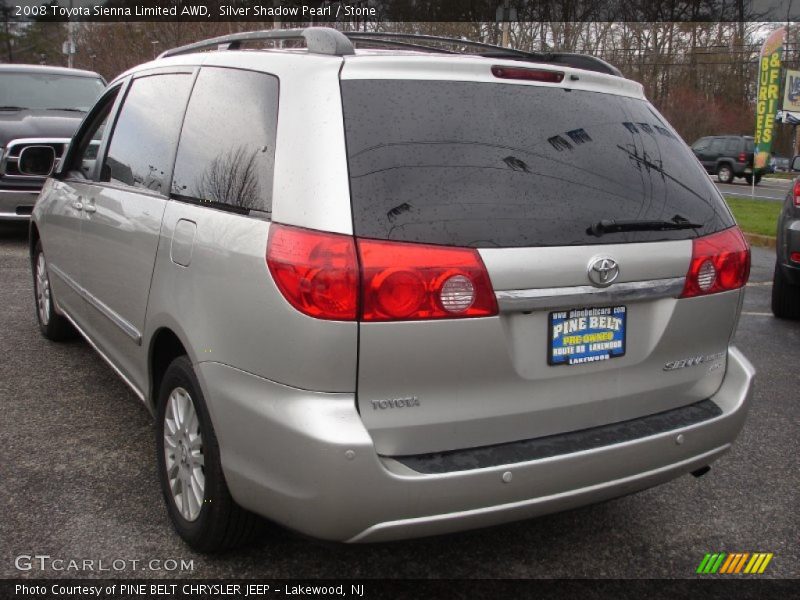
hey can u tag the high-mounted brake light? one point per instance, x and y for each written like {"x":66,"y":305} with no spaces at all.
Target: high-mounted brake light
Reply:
{"x":543,"y":75}
{"x":318,"y":273}
{"x":796,"y":193}
{"x":720,"y":262}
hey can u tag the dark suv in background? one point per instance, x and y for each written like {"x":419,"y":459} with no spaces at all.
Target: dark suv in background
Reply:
{"x":727,"y":157}
{"x":39,"y":106}
{"x":786,"y":284}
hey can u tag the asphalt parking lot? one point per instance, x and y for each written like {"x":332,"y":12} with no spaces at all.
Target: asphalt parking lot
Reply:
{"x":773,"y":190}
{"x":78,"y":480}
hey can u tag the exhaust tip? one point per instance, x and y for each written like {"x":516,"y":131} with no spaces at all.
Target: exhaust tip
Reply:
{"x":701,"y":471}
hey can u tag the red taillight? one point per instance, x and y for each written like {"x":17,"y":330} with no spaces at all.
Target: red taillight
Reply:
{"x":316,"y":272}
{"x":720,"y":262}
{"x":543,"y":75}
{"x":742,"y":157}
{"x":402,"y":281}
{"x":796,"y":193}
{"x":794,"y":257}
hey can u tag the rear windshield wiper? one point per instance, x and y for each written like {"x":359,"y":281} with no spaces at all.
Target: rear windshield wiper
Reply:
{"x":12,"y":108}
{"x":615,"y":226}
{"x":68,"y":109}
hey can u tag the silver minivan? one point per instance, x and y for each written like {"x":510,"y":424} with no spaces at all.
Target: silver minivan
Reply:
{"x":390,"y":292}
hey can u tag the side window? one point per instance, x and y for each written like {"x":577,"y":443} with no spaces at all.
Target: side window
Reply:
{"x":717,"y":146}
{"x":701,"y":144}
{"x":226,"y":153}
{"x":84,"y":155}
{"x":732,"y":146}
{"x":144,"y":138}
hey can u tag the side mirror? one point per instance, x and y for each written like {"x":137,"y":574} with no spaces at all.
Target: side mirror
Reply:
{"x":37,"y":161}
{"x":796,"y":163}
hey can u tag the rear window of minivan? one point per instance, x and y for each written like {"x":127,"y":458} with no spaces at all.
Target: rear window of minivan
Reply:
{"x":503,"y":165}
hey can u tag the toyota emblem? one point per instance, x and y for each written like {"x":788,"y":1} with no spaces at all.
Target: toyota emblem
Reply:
{"x":603,"y":271}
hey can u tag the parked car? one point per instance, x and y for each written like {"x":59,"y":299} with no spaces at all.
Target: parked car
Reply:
{"x":727,"y":156}
{"x":39,"y":106}
{"x":786,"y":281}
{"x":393,"y":292}
{"x":781,"y":164}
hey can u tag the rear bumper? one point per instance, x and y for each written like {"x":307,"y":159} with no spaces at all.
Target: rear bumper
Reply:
{"x":304,"y":459}
{"x":16,"y":205}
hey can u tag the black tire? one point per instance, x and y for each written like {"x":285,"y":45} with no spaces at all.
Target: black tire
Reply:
{"x":725,"y":173}
{"x":52,"y":325}
{"x":758,"y":179}
{"x":785,"y":296}
{"x":221,"y":523}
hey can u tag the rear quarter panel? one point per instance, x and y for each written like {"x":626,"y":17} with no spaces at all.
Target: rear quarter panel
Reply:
{"x":226,"y":308}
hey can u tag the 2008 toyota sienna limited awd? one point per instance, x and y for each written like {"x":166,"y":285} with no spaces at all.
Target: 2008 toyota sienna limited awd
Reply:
{"x":389,"y":292}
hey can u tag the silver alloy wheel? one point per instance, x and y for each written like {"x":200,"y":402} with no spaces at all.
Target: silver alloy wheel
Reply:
{"x":42,"y":290}
{"x":724,"y":174}
{"x":183,"y":451}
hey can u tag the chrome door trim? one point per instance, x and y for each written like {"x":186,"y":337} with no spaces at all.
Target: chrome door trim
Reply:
{"x":579,"y":295}
{"x":112,"y":316}
{"x":107,"y":360}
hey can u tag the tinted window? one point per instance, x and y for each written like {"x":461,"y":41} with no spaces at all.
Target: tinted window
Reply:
{"x":45,"y":90}
{"x":718,"y":145}
{"x":498,"y":165}
{"x":227,"y":149}
{"x":143,"y":141}
{"x":87,"y":145}
{"x":732,"y":146}
{"x":701,"y":144}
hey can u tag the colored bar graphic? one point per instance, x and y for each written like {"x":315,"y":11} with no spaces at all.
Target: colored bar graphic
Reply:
{"x":728,"y":562}
{"x":766,"y":562}
{"x":753,"y":561}
{"x":703,"y":563}
{"x":741,"y":562}
{"x":718,"y":564}
{"x":733,"y":563}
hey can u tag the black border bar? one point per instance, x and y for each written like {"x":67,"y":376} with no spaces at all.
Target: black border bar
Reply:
{"x":384,"y":11}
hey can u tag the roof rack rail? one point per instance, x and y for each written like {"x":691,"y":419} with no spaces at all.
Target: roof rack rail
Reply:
{"x":569,"y":59}
{"x":326,"y":40}
{"x":319,"y":40}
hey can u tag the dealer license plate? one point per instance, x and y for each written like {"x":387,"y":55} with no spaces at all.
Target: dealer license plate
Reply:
{"x":586,"y":335}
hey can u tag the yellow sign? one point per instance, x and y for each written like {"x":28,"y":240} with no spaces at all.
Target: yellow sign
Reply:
{"x":769,"y":79}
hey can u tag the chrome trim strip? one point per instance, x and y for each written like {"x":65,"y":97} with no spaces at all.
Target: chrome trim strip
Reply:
{"x":579,"y":295}
{"x":114,"y":367}
{"x":37,"y":140}
{"x":112,"y":316}
{"x":13,"y":217}
{"x":31,"y":192}
{"x":7,"y":155}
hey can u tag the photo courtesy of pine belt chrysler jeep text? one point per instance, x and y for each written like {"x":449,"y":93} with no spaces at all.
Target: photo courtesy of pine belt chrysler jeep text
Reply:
{"x":379,"y":293}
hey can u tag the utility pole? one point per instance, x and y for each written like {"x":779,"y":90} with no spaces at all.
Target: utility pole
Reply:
{"x":504,"y":15}
{"x":70,"y":45}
